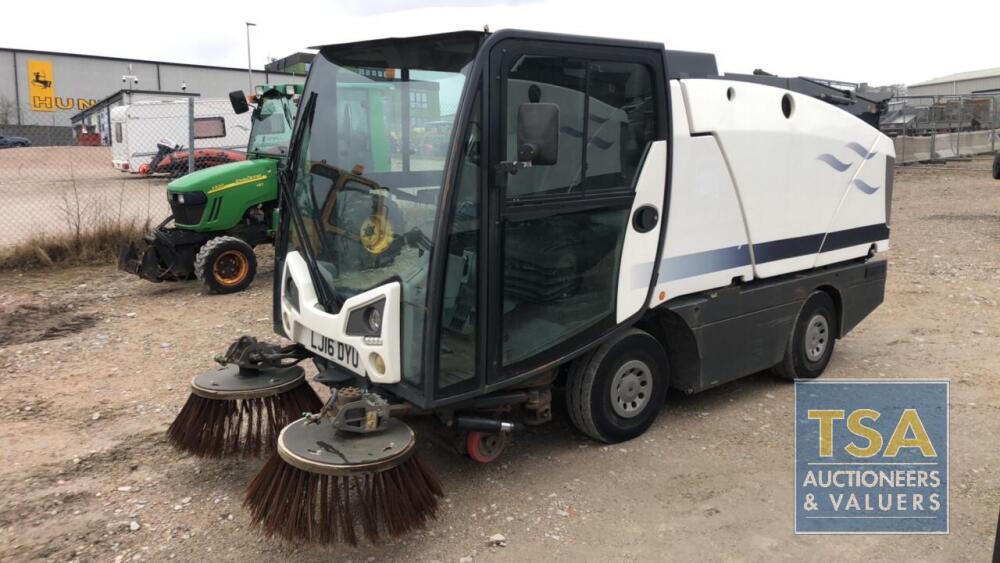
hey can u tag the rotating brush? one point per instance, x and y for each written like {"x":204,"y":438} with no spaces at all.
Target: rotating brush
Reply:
{"x":239,"y":408}
{"x":335,"y":478}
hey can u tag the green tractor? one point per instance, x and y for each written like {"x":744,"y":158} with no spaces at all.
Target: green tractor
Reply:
{"x":220,"y":214}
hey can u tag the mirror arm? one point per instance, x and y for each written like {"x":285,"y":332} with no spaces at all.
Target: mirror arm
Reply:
{"x":512,"y":166}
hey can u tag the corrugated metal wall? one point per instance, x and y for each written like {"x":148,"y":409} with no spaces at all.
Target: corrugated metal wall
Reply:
{"x":79,"y":80}
{"x":960,"y":87}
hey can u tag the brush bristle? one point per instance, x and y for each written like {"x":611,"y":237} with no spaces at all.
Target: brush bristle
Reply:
{"x":243,"y":427}
{"x":299,"y":506}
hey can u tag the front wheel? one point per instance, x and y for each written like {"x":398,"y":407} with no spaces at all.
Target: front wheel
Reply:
{"x":810,"y":345}
{"x":996,"y":167}
{"x":226,"y":265}
{"x":614,"y":393}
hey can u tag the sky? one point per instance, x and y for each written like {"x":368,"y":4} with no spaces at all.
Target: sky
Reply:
{"x":879,"y":42}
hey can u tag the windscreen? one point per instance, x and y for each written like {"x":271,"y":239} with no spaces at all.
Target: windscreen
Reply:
{"x":271,"y":128}
{"x":377,"y":122}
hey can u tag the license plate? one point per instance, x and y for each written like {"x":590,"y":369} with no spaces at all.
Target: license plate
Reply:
{"x":340,"y":353}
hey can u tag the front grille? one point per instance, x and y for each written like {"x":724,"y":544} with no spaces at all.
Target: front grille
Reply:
{"x":189,"y":212}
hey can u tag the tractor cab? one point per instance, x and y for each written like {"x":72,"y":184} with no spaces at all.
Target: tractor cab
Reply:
{"x":274,"y":108}
{"x":435,"y":182}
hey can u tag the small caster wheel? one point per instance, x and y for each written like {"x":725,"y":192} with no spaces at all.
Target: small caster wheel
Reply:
{"x":485,"y":447}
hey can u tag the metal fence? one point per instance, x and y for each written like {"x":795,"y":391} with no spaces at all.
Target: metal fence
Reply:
{"x":941,"y":127}
{"x":57,"y":178}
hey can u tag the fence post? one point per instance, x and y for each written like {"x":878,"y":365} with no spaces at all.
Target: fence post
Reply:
{"x":961,"y":120}
{"x":902,"y":159}
{"x":994,"y":125}
{"x":190,"y":135}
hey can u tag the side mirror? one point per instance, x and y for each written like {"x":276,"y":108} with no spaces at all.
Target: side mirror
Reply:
{"x":538,"y":133}
{"x":239,"y":101}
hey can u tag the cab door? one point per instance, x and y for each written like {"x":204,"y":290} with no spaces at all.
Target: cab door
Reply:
{"x":557,"y":231}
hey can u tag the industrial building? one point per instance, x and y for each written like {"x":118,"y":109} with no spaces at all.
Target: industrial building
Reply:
{"x":985,"y":81}
{"x":45,"y":88}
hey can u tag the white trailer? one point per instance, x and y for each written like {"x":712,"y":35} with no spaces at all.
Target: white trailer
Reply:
{"x":137,"y":128}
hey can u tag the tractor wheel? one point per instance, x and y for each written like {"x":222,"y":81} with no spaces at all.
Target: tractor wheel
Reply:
{"x":226,"y":265}
{"x":614,"y":393}
{"x":996,"y":167}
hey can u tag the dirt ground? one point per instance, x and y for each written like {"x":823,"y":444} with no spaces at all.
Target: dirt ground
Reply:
{"x":95,"y":365}
{"x":50,"y":190}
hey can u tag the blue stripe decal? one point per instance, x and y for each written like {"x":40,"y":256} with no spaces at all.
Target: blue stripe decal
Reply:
{"x":698,"y":263}
{"x":721,"y":259}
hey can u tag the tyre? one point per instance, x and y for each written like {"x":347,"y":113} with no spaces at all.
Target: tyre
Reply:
{"x":813,"y":337}
{"x":996,"y":167}
{"x":485,"y":447}
{"x":226,"y":265}
{"x":614,"y":393}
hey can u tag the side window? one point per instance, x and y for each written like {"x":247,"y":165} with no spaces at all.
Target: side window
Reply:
{"x":118,"y":132}
{"x":622,"y":119}
{"x":209,"y":127}
{"x":558,"y":80}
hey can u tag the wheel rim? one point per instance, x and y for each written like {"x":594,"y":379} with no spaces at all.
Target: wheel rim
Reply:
{"x":817,"y":338}
{"x":231,"y":268}
{"x":631,"y":388}
{"x":485,"y":447}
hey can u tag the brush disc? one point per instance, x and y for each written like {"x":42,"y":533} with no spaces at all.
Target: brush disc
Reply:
{"x":319,"y":448}
{"x":231,"y":383}
{"x":230,"y":412}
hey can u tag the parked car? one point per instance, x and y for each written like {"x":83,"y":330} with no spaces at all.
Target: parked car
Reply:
{"x":11,"y":142}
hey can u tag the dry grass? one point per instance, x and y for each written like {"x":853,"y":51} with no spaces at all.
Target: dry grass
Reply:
{"x":96,"y":244}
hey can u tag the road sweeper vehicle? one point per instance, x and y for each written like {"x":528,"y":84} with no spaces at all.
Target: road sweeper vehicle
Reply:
{"x":609,"y":220}
{"x":221,"y":213}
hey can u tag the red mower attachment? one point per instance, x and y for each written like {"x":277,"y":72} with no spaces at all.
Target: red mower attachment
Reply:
{"x":172,"y":160}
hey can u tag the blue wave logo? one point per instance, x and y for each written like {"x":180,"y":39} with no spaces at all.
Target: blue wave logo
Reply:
{"x":834,"y":162}
{"x":862,"y":152}
{"x":841,"y":166}
{"x":861,"y":185}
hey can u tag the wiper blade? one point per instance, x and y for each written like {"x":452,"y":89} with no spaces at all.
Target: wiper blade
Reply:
{"x":285,"y":185}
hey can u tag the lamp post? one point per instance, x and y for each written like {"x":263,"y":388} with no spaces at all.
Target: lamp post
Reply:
{"x":249,"y":67}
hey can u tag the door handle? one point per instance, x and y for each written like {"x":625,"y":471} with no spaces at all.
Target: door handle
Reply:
{"x":645,"y":218}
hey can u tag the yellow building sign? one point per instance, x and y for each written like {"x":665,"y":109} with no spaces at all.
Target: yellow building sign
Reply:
{"x":41,"y":86}
{"x":42,"y":90}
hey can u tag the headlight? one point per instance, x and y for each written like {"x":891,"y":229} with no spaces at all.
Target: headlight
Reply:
{"x":374,"y":318}
{"x":290,"y":89}
{"x":180,"y":199}
{"x":259,"y":90}
{"x":367,"y":320}
{"x":292,"y":293}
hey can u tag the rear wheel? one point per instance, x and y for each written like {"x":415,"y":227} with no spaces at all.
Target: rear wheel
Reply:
{"x":996,"y":167}
{"x":614,"y":393}
{"x":226,"y":265}
{"x":811,"y":343}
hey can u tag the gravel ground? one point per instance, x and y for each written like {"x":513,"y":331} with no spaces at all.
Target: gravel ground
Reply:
{"x":96,"y":364}
{"x":49,"y":190}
